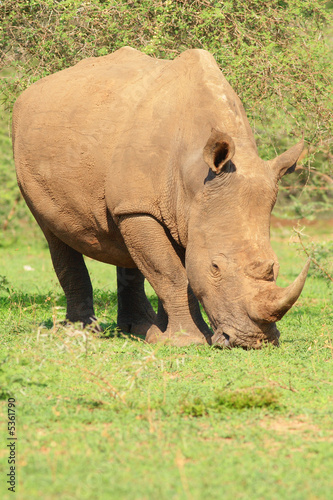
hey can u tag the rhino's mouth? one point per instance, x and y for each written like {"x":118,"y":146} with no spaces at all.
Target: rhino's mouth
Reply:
{"x":246,"y":341}
{"x":226,"y":340}
{"x":222,"y":340}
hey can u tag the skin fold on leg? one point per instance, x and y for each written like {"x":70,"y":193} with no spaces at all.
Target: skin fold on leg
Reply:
{"x":179,"y":321}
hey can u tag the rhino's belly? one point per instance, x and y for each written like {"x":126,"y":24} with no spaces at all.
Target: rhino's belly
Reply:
{"x":77,"y":217}
{"x":105,"y":245}
{"x":101,"y":247}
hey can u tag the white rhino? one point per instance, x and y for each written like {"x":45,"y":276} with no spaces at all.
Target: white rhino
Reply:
{"x":151,"y":165}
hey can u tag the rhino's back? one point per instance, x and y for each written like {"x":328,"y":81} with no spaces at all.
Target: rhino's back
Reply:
{"x":65,"y":128}
{"x":112,"y":134}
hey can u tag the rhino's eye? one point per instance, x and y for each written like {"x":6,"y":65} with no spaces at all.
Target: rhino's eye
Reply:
{"x":215,"y":267}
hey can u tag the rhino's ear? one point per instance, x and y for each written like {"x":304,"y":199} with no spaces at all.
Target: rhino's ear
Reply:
{"x":219,"y":149}
{"x":286,"y":163}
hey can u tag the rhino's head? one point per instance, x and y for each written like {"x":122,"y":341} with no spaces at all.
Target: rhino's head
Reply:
{"x":230,"y":264}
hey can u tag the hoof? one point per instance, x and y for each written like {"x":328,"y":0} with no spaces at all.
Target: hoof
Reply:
{"x":92,"y":324}
{"x":181,"y":339}
{"x":94,"y":327}
{"x":135,"y":328}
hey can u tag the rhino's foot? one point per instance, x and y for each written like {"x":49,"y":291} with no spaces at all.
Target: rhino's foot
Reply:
{"x":93,"y":326}
{"x":91,"y":323}
{"x":134,"y":328}
{"x":176,"y":339}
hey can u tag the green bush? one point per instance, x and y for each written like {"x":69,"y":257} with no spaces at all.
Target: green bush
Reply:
{"x":276,"y":54}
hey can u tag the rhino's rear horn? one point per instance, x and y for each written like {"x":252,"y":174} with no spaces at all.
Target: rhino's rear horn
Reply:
{"x":219,"y":149}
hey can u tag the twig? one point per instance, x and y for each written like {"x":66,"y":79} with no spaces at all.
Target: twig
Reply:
{"x":113,"y":391}
{"x":290,"y":388}
{"x":316,"y":263}
{"x":313,"y":171}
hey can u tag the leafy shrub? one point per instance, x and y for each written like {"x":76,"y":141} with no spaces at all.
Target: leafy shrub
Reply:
{"x":322,"y":254}
{"x":275,"y":53}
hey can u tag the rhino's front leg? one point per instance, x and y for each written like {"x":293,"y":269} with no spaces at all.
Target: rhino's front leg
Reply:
{"x":155,"y":255}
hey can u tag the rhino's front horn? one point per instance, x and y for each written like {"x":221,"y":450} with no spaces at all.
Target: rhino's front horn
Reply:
{"x":272,"y":306}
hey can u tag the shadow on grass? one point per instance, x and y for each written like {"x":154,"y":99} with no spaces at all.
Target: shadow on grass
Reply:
{"x":109,"y":330}
{"x":20,"y":299}
{"x":90,"y":404}
{"x":10,"y":297}
{"x":27,"y":304}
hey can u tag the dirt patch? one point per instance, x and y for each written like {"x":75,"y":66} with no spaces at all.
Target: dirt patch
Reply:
{"x":301,"y":425}
{"x":289,"y":425}
{"x":276,"y":222}
{"x":301,"y":428}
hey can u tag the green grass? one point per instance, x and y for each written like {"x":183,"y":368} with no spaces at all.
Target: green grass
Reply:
{"x":110,"y":417}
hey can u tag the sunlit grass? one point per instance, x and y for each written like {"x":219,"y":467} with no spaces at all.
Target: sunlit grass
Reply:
{"x":124,"y":419}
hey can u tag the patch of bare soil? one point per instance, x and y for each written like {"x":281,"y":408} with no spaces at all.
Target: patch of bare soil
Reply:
{"x":276,"y":222}
{"x":289,"y":425}
{"x":308,"y":430}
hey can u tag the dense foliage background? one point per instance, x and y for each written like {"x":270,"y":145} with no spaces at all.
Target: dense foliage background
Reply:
{"x":276,"y":54}
{"x":125,"y":419}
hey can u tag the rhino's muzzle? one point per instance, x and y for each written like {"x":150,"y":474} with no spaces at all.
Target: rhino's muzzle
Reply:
{"x":257,"y":327}
{"x":221,"y":340}
{"x":254,"y":340}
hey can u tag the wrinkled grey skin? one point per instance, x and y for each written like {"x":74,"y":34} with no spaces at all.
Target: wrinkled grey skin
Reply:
{"x":233,"y":267}
{"x":151,"y":166}
{"x":235,"y":270}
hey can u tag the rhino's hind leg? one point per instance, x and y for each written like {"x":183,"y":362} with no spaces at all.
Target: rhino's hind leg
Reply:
{"x":179,"y":321}
{"x":135,"y":313}
{"x":74,"y":278}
